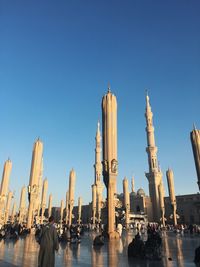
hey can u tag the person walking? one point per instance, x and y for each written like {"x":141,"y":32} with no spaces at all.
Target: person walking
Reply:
{"x":48,"y":244}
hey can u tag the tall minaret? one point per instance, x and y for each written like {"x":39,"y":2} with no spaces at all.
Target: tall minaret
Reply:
{"x":33,"y":188}
{"x":154,"y":175}
{"x":109,"y":125}
{"x":97,"y":172}
{"x":98,"y":166}
{"x":44,"y":196}
{"x":195,"y":140}
{"x":4,"y":186}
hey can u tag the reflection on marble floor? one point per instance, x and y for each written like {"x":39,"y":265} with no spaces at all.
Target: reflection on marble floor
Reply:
{"x":24,"y":252}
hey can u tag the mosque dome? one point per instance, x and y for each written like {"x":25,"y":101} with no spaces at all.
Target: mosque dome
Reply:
{"x":141,"y":192}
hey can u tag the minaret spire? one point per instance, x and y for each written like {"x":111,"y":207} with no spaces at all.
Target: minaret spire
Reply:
{"x":98,"y":128}
{"x":146,"y":91}
{"x":154,"y":175}
{"x":97,"y":166}
{"x":97,"y":187}
{"x":109,"y":90}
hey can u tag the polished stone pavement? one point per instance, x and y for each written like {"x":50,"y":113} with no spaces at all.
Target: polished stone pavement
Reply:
{"x":24,"y":252}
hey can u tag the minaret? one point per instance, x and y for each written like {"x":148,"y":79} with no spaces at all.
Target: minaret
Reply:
{"x":126,"y":200}
{"x":10,"y":195}
{"x":98,"y":171}
{"x":98,"y":166}
{"x":44,"y":196}
{"x":195,"y":140}
{"x":72,"y":178}
{"x":33,"y":188}
{"x":50,"y":205}
{"x":154,"y":175}
{"x":170,"y":181}
{"x":109,"y":125}
{"x":94,"y":204}
{"x":22,"y":205}
{"x":4,"y":186}
{"x":79,"y":209}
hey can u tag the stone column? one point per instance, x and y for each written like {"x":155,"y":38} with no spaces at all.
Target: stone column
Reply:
{"x":195,"y":140}
{"x":5,"y":177}
{"x":44,"y":196}
{"x":22,"y":205}
{"x":38,"y":206}
{"x":50,"y":205}
{"x":94,"y":203}
{"x":170,"y":181}
{"x":13,"y":213}
{"x":79,"y":209}
{"x":33,"y":188}
{"x":4,"y":187}
{"x":10,"y":195}
{"x":67,"y":208}
{"x":162,"y":205}
{"x":99,"y":203}
{"x":72,"y":178}
{"x":109,"y":123}
{"x":61,"y":212}
{"x":126,"y":200}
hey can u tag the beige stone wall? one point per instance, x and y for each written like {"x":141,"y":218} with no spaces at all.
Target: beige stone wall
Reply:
{"x":188,"y":208}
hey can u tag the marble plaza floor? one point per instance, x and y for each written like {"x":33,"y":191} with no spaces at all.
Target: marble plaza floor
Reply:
{"x":24,"y":252}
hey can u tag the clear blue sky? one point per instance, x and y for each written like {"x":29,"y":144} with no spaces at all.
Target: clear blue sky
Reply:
{"x":56,"y":58}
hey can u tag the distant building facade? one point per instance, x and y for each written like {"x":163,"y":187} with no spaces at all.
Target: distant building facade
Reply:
{"x":188,"y":209}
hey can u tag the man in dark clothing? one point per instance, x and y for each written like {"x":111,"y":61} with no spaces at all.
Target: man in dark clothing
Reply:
{"x":48,"y":244}
{"x":136,"y":248}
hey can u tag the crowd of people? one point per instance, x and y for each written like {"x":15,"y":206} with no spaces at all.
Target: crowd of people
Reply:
{"x":13,"y":231}
{"x":149,"y":249}
{"x":146,"y":244}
